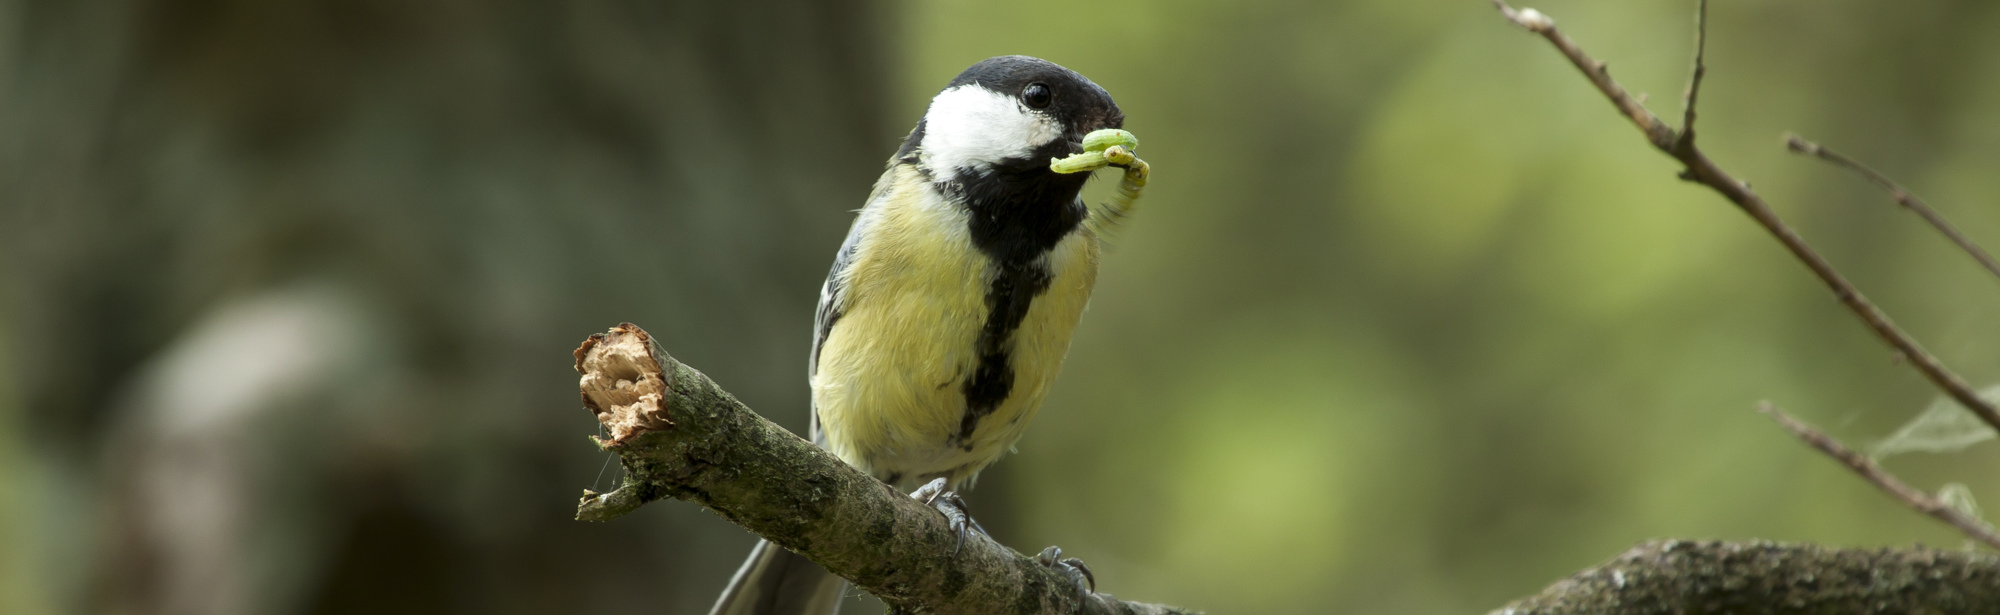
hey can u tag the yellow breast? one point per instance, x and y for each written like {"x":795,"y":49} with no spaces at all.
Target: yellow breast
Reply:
{"x":889,"y":383}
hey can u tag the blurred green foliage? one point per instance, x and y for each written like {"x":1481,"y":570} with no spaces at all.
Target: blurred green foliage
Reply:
{"x":1409,"y":321}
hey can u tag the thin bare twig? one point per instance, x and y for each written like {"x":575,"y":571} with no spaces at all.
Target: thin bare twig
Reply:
{"x":1659,"y":133}
{"x":1901,"y":195}
{"x":1866,"y":467}
{"x":1694,"y":79}
{"x":1701,"y":170}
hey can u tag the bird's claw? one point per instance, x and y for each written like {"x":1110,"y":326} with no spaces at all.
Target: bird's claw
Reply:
{"x":1070,"y":567}
{"x":936,"y":495}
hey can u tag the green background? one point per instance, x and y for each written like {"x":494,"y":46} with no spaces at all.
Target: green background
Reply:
{"x":1409,"y":321}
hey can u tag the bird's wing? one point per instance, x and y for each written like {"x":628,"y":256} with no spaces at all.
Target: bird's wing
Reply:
{"x":832,"y":295}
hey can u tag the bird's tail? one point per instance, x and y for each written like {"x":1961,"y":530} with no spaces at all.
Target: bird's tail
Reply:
{"x":775,"y":581}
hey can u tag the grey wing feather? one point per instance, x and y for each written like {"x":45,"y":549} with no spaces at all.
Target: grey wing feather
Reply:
{"x":775,"y":581}
{"x":832,"y":301}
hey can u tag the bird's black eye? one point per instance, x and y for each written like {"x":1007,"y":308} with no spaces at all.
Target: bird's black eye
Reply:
{"x":1037,"y":95}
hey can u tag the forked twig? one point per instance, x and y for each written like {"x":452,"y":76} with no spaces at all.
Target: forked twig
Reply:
{"x":1901,"y":195}
{"x":1873,"y":472}
{"x":1701,"y":170}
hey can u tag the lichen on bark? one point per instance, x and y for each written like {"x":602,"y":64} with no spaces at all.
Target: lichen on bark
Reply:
{"x":717,"y":453}
{"x":1757,"y":577}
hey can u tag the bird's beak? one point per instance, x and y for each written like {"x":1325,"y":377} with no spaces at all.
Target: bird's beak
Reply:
{"x":1113,"y":119}
{"x":1110,"y":119}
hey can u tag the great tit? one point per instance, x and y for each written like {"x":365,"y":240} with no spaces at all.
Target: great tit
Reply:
{"x":951,"y":303}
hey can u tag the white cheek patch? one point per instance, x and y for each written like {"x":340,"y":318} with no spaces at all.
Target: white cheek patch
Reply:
{"x":971,"y":126}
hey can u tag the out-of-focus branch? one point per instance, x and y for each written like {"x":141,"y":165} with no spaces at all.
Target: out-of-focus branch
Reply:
{"x":1657,"y":132}
{"x":1759,"y":577}
{"x":680,"y":435}
{"x":1694,"y":78}
{"x":1861,"y":464}
{"x":1700,"y":169}
{"x":1674,"y":576}
{"x":1902,"y":197}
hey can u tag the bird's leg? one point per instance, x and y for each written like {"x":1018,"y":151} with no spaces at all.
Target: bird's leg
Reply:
{"x":937,"y":494}
{"x":1070,"y":567}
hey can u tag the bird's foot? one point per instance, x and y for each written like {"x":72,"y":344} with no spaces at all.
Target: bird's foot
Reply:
{"x":1070,"y":567}
{"x":937,"y":494}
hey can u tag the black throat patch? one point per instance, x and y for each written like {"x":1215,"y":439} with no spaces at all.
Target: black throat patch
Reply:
{"x":1018,"y":212}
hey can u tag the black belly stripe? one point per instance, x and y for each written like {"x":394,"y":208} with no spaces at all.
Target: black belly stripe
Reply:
{"x":1018,"y":211}
{"x":1014,"y":289}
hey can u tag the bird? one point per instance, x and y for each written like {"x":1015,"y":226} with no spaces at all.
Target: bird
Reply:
{"x":951,"y":303}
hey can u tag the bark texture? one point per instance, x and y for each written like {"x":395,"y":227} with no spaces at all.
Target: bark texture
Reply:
{"x":681,"y":436}
{"x":1750,"y":578}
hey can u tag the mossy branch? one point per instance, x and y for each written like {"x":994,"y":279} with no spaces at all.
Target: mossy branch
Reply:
{"x":680,"y":435}
{"x":1753,"y":578}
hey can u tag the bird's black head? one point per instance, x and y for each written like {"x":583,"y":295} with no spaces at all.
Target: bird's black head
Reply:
{"x":986,"y":142}
{"x":1009,"y":112}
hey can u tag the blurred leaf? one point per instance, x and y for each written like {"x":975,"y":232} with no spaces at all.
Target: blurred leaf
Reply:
{"x":1959,"y":497}
{"x":1944,"y":427}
